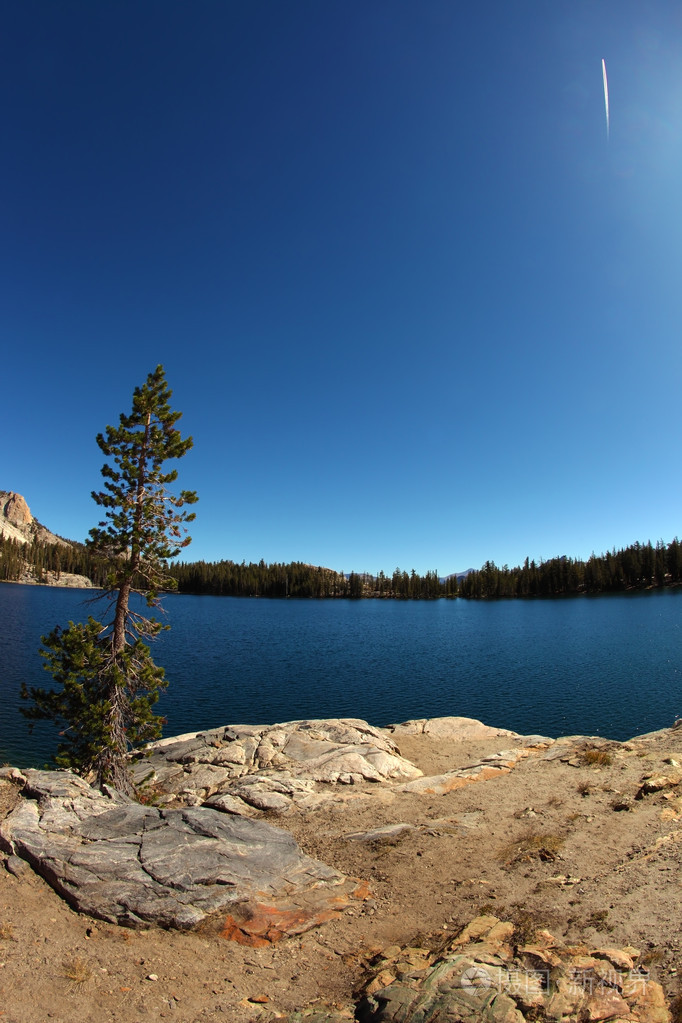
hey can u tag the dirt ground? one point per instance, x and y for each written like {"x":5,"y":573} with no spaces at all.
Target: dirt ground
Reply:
{"x":564,"y":845}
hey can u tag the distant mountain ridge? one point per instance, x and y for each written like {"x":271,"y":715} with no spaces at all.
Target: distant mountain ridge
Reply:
{"x":459,"y":575}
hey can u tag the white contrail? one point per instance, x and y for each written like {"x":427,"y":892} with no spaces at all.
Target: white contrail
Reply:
{"x":606,"y":96}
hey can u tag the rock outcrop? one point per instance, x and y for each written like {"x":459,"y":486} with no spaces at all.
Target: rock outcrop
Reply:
{"x":17,"y":523}
{"x":15,"y":510}
{"x":457,"y":728}
{"x":540,"y":842}
{"x":487,"y":974}
{"x":249,"y":768}
{"x":137,"y":865}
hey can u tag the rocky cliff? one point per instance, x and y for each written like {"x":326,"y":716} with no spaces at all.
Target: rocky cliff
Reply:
{"x":17,"y":522}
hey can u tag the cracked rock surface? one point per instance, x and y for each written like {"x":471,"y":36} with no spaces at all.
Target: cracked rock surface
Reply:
{"x":133,"y":864}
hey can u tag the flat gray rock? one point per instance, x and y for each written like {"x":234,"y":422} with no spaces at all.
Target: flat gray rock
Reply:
{"x":389,"y":833}
{"x":133,"y":864}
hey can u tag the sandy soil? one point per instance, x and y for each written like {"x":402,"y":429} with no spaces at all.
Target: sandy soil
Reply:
{"x":546,"y":845}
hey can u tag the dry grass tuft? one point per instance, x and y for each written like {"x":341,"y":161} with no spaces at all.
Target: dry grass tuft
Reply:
{"x":532,"y":845}
{"x":584,"y":788}
{"x":652,"y":957}
{"x":598,"y":918}
{"x":77,"y":970}
{"x":597,"y":757}
{"x":6,"y":932}
{"x":526,"y":925}
{"x":9,"y":797}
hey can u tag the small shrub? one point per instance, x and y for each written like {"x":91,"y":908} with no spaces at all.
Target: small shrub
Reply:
{"x":526,"y":925}
{"x":150,"y":795}
{"x":6,"y":932}
{"x":584,"y":788}
{"x":77,"y":970}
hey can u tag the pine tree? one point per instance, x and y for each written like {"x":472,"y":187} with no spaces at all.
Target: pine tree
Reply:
{"x":107,"y":682}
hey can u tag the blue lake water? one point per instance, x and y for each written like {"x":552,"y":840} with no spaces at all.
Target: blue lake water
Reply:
{"x":607,"y":665}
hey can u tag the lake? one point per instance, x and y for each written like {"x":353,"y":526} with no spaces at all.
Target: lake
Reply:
{"x":605,"y":665}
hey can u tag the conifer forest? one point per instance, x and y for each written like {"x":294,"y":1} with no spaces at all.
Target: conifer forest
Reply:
{"x":636,"y":567}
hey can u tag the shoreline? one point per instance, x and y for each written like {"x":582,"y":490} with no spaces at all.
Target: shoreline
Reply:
{"x":531,"y":597}
{"x":56,"y":584}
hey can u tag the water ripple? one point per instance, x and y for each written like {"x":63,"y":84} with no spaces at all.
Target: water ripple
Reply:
{"x":598,"y":665}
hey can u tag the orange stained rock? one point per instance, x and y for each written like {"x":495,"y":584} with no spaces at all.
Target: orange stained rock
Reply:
{"x":605,"y":1005}
{"x":362,"y":892}
{"x":444,"y":783}
{"x":647,"y":1001}
{"x":263,"y":925}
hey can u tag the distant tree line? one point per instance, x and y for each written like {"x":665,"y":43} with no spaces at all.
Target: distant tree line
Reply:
{"x":297,"y":579}
{"x":639,"y":566}
{"x":36,"y":558}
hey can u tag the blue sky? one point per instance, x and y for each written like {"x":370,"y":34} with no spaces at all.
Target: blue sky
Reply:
{"x":416,"y":309}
